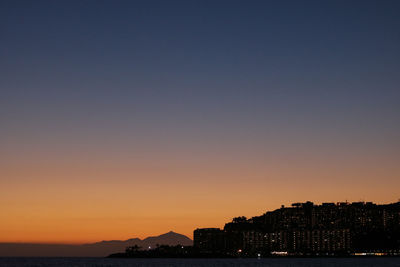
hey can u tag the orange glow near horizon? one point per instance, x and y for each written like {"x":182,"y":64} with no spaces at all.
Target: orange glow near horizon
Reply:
{"x":79,"y":202}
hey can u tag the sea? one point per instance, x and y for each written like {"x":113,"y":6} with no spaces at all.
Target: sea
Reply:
{"x":270,"y":262}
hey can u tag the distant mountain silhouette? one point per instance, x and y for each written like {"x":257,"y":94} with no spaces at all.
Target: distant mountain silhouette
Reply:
{"x":98,"y":249}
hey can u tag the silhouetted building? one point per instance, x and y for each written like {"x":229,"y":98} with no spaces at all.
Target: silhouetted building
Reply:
{"x":209,"y":240}
{"x":306,"y":228}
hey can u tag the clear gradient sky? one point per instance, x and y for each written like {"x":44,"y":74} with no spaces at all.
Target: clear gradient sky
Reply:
{"x":125,"y":119}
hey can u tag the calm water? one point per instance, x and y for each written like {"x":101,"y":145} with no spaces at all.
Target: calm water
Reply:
{"x":100,"y":262}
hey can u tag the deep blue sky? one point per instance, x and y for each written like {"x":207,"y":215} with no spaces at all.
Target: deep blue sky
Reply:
{"x":208,"y":57}
{"x":286,"y":91}
{"x":200,"y":65}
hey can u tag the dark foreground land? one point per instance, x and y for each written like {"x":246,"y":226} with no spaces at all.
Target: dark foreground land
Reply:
{"x":165,"y":251}
{"x":270,"y":262}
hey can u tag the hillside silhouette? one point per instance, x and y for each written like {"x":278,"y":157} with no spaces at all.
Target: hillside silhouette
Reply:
{"x":98,"y":249}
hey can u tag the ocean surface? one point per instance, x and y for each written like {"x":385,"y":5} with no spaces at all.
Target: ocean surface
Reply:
{"x":275,"y":262}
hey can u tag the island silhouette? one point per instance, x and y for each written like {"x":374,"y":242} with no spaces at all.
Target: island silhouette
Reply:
{"x":98,"y":249}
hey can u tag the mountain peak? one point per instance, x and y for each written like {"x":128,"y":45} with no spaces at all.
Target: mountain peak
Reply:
{"x":98,"y":249}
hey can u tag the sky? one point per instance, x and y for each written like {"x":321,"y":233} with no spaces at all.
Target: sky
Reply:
{"x":124,"y":119}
